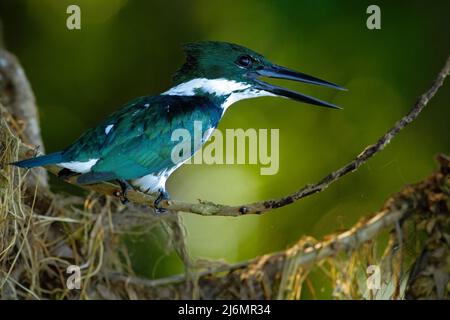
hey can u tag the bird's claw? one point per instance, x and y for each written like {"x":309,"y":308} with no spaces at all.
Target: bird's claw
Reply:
{"x":122,"y":195}
{"x":123,"y":198}
{"x":163,"y":195}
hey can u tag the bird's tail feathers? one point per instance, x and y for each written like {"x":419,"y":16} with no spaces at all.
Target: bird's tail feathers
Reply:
{"x":52,"y":158}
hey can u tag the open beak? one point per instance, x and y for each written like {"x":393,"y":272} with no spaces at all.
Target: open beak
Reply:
{"x":279,"y":72}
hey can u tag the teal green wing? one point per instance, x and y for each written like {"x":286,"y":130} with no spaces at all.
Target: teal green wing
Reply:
{"x":140,"y":139}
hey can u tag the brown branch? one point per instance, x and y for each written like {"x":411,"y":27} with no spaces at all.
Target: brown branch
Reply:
{"x":346,"y":241}
{"x":213,"y":209}
{"x":429,"y":198}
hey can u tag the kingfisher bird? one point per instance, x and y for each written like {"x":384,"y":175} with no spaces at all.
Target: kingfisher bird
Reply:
{"x":133,"y":145}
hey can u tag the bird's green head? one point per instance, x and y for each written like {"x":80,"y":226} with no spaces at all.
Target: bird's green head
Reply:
{"x":215,"y":60}
{"x":234,"y":72}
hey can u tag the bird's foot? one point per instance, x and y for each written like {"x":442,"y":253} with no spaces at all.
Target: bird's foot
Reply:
{"x":125,"y":187}
{"x":163,"y":195}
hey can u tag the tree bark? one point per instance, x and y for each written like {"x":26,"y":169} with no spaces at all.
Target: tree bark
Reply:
{"x":16,"y":94}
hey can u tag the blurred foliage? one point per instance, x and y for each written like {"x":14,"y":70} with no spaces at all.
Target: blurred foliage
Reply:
{"x":130,"y":48}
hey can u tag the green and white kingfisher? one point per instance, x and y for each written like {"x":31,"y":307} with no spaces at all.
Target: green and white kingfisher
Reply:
{"x":133,"y":145}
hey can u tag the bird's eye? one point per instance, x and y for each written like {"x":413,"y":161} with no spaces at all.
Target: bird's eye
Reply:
{"x":245,"y":61}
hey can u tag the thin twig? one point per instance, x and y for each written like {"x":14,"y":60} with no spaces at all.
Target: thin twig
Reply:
{"x":214,"y":209}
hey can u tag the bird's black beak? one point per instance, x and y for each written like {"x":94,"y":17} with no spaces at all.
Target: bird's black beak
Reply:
{"x":279,"y":72}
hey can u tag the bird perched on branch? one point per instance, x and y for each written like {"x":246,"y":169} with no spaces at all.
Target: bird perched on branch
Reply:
{"x":133,"y":145}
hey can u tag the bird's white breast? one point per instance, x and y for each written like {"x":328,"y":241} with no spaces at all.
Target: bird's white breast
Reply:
{"x":153,"y":182}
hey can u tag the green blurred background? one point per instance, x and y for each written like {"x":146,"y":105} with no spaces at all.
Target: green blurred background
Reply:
{"x":130,"y":48}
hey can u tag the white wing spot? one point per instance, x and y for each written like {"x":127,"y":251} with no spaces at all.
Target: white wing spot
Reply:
{"x":147,"y":105}
{"x":108,"y":128}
